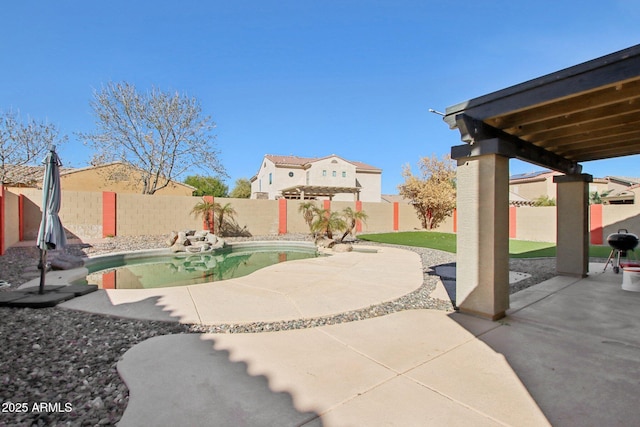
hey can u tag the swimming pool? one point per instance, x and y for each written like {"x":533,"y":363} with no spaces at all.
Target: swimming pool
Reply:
{"x":159,"y":269}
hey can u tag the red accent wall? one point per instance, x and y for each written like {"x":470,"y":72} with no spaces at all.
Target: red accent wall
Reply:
{"x":2,"y":200}
{"x":596,"y":225}
{"x":21,"y":217}
{"x":212,"y":226}
{"x":109,"y":209}
{"x":512,"y":222}
{"x":109,"y":280}
{"x":396,"y":216}
{"x":358,"y":223}
{"x":282,"y":216}
{"x":455,"y":220}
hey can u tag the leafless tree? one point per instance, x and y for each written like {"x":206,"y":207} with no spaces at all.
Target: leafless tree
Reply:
{"x":162,"y":134}
{"x":23,"y":143}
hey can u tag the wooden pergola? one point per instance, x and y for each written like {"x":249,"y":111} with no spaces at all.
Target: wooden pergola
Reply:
{"x":587,"y":112}
{"x":315,"y":191}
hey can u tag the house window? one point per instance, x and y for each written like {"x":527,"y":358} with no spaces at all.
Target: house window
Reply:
{"x":344,"y":174}
{"x":324,"y":172}
{"x":270,"y":178}
{"x":333,"y":173}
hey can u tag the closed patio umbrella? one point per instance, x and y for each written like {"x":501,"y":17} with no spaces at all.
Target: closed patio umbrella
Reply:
{"x":51,"y":233}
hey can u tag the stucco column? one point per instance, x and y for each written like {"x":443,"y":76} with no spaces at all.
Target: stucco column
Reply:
{"x":482,"y":283}
{"x":572,"y":219}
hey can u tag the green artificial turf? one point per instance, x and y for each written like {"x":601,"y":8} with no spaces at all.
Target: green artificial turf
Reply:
{"x":447,"y":242}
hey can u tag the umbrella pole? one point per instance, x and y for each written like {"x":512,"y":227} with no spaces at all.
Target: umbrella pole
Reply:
{"x":43,"y":269}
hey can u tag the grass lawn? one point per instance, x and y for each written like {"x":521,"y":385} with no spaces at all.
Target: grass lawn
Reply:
{"x":447,"y":242}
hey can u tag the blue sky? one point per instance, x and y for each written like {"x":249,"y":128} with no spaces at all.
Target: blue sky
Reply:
{"x":309,"y":78}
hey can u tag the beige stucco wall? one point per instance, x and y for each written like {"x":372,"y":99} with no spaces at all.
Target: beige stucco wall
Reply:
{"x":615,"y":217}
{"x":260,"y":217}
{"x":295,"y":220}
{"x":536,"y":223}
{"x":371,"y":183}
{"x":322,"y":172}
{"x":116,"y":178}
{"x":280,"y":179}
{"x":80,"y":212}
{"x":137,"y":214}
{"x":533,"y":190}
{"x":11,"y":225}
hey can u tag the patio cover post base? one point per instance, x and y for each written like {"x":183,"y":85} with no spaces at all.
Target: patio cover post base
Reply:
{"x":482,"y":285}
{"x":572,"y":235}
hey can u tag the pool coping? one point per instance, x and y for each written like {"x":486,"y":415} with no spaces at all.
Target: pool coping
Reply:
{"x":299,"y":289}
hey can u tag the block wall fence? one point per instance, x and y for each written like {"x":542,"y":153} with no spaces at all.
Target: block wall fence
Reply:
{"x":95,"y":215}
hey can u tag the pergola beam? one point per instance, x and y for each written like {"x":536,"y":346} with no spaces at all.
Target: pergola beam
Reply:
{"x":476,"y":133}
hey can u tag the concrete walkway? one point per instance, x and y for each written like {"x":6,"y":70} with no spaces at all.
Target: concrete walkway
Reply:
{"x":290,"y":290}
{"x":566,"y":355}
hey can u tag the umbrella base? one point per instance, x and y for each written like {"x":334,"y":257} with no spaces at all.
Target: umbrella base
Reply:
{"x":53,"y":295}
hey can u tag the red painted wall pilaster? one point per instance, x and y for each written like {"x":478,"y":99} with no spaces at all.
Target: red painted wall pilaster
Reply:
{"x":109,"y":280}
{"x":512,"y":222}
{"x":109,"y":210}
{"x":2,"y":200}
{"x":210,"y":227}
{"x":358,"y":223}
{"x":396,"y":216}
{"x":21,"y":217}
{"x":596,"y":225}
{"x":455,"y":220}
{"x":282,"y":216}
{"x":327,"y":205}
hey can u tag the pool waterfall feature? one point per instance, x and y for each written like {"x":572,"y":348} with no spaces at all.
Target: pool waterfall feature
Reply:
{"x":162,"y":268}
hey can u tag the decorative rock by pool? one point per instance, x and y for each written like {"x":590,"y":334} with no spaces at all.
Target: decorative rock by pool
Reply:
{"x":193,"y":241}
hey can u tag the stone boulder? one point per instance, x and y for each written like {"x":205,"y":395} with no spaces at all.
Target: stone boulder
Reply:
{"x":325,"y":242}
{"x":64,"y":261}
{"x":173,"y":236}
{"x":342,"y":247}
{"x":194,"y":241}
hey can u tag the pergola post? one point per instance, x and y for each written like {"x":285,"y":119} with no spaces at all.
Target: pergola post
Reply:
{"x":482,"y":283}
{"x":572,"y":219}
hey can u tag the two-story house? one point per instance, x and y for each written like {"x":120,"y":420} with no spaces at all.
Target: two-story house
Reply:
{"x":330,"y":177}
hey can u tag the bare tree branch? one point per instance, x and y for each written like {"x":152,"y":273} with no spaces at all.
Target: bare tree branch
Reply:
{"x":160,"y":133}
{"x":23,"y":143}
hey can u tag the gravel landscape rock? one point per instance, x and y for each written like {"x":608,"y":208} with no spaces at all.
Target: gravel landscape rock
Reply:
{"x":58,"y":366}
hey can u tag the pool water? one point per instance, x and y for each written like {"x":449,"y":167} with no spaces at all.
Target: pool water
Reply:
{"x":161,"y":271}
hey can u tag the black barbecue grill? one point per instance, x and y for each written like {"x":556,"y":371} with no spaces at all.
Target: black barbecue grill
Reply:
{"x":621,"y":243}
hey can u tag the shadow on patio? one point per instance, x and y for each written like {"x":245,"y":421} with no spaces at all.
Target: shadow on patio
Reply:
{"x":575,"y":345}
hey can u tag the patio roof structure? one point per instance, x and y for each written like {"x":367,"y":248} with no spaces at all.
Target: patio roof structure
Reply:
{"x":313,"y":191}
{"x":587,"y":112}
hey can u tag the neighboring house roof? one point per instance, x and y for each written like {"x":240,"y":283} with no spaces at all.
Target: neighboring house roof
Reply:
{"x":624,"y":180}
{"x":27,"y":176}
{"x":32,"y":176}
{"x":628,"y":193}
{"x":392,"y":198}
{"x":517,"y":200}
{"x":306,"y":161}
{"x":532,"y":176}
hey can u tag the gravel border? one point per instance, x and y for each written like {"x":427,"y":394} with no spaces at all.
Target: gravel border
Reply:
{"x":58,"y":366}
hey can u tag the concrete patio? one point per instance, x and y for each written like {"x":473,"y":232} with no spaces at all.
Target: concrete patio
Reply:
{"x":567,"y":354}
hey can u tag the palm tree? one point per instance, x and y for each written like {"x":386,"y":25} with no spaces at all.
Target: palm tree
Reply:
{"x":308,"y":210}
{"x":205,"y":209}
{"x":596,"y":199}
{"x":222,"y":211}
{"x":351,"y":217}
{"x":327,"y":222}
